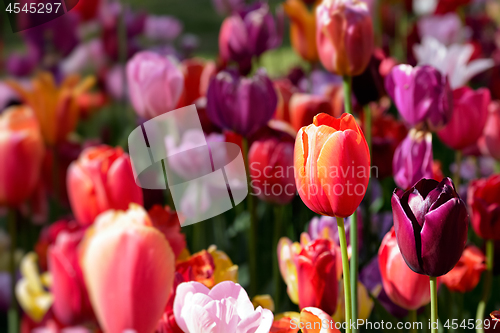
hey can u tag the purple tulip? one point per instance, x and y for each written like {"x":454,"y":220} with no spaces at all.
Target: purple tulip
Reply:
{"x":241,"y":104}
{"x":421,"y":94}
{"x":413,"y":159}
{"x":431,"y":223}
{"x":326,"y":227}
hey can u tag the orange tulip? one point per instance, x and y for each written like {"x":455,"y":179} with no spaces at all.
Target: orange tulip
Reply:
{"x":302,"y":29}
{"x":128,"y":267}
{"x":21,"y":152}
{"x":466,"y":274}
{"x":56,"y":108}
{"x":332,"y":163}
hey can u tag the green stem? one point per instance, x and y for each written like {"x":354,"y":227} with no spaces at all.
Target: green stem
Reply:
{"x":412,"y":318}
{"x":434,"y":305}
{"x":368,"y":127}
{"x":13,"y":313}
{"x":278,"y":229}
{"x":345,"y":269}
{"x":490,"y":249}
{"x":458,"y":163}
{"x":252,"y":242}
{"x":347,"y":86}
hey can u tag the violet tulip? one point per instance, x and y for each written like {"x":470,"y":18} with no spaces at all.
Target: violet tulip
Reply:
{"x":431,"y":224}
{"x":155,"y":84}
{"x":412,"y":159}
{"x":421,"y":94}
{"x":470,"y":111}
{"x":484,"y":200}
{"x":241,"y":104}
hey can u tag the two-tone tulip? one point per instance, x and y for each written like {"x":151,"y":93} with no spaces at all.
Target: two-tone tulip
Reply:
{"x":466,"y":274}
{"x":483,"y":197}
{"x":302,"y":29}
{"x":430,"y":221}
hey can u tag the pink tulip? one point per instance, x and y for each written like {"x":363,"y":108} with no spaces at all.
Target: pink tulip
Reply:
{"x":99,"y":180}
{"x":225,"y":308}
{"x":155,"y":84}
{"x":128,"y":267}
{"x":489,"y":143}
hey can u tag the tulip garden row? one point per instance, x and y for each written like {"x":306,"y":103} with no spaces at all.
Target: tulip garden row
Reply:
{"x":372,"y":169}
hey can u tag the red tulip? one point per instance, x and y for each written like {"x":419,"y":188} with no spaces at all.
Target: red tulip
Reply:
{"x":21,"y":152}
{"x":304,"y":107}
{"x":284,"y":89}
{"x":128,"y":267}
{"x":99,"y":180}
{"x":403,"y":286}
{"x":192,"y":70}
{"x":489,"y":143}
{"x":483,"y":197}
{"x":167,"y":221}
{"x":332,"y":165}
{"x":466,"y":274}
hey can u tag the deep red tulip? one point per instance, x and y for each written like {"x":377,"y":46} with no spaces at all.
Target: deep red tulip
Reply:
{"x":470,"y":110}
{"x":483,"y":197}
{"x":403,"y":286}
{"x":466,"y":274}
{"x":304,"y":107}
{"x":22,"y":151}
{"x":344,"y":36}
{"x":192,"y":69}
{"x":332,"y":165}
{"x":99,"y":180}
{"x":167,"y":221}
{"x":489,"y":143}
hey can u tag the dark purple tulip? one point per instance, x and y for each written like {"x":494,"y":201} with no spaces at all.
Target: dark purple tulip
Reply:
{"x":421,"y":94}
{"x":412,"y":159}
{"x":431,"y":223}
{"x":241,"y":104}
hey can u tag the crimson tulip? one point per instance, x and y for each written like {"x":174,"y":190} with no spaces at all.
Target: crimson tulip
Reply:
{"x":404,"y":287}
{"x":99,"y":180}
{"x":430,"y":221}
{"x":483,"y":197}
{"x":22,"y":151}
{"x":303,"y":108}
{"x":167,"y":221}
{"x":332,"y":165}
{"x":466,"y":274}
{"x":344,"y":36}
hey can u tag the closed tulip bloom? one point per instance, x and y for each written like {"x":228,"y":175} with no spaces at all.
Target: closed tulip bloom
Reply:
{"x":99,"y":180}
{"x":483,"y":197}
{"x":413,"y":158}
{"x":404,"y":287}
{"x":470,"y":111}
{"x":430,"y":221}
{"x":489,"y":143}
{"x":127,"y":294}
{"x":287,"y":251}
{"x":302,"y":29}
{"x":421,"y":94}
{"x":241,"y":104}
{"x":304,"y":107}
{"x":155,"y":84}
{"x":466,"y":274}
{"x":344,"y":36}
{"x":332,"y":164}
{"x":22,"y":150}
{"x":224,"y":308}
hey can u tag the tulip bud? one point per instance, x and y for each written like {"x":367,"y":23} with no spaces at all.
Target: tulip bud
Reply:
{"x":344,"y":35}
{"x":430,"y":221}
{"x":302,"y":29}
{"x":465,"y":276}
{"x":470,"y":110}
{"x":413,"y":159}
{"x":421,"y":94}
{"x":404,"y":287}
{"x":241,"y":104}
{"x":483,"y":197}
{"x":99,"y":180}
{"x":127,"y":294}
{"x":332,"y":165}
{"x":155,"y":84}
{"x":22,"y":151}
{"x":304,"y":107}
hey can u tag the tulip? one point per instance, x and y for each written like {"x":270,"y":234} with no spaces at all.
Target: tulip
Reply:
{"x":430,"y":221}
{"x":466,"y":274}
{"x":447,"y":29}
{"x":225,"y":308}
{"x":369,"y":85}
{"x":241,"y":104}
{"x":304,"y":107}
{"x":99,"y":180}
{"x":265,"y":301}
{"x":403,"y":286}
{"x":483,"y":197}
{"x":199,"y":267}
{"x":489,"y":143}
{"x":421,"y":94}
{"x":314,"y":320}
{"x":413,"y":159}
{"x":22,"y":150}
{"x":332,"y":165}
{"x":302,"y":29}
{"x":225,"y":270}
{"x":167,"y":221}
{"x":71,"y":301}
{"x":284,"y":90}
{"x":283,"y":322}
{"x":56,"y":108}
{"x":344,"y":36}
{"x":155,"y":84}
{"x":127,"y":294}
{"x":470,"y":111}
{"x":287,"y":251}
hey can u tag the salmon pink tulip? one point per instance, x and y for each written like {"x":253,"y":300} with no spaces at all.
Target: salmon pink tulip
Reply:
{"x":466,"y":274}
